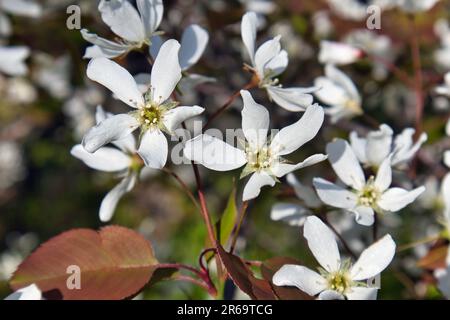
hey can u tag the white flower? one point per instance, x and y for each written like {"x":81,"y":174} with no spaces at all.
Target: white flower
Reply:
{"x":338,"y":279}
{"x":338,"y":53}
{"x":122,"y":160}
{"x":445,"y":88}
{"x":267,"y":62}
{"x":25,"y":8}
{"x":356,"y":9}
{"x":365,"y":196}
{"x":134,"y":28}
{"x":155,"y":111}
{"x":53,"y":74}
{"x":443,"y":278}
{"x":12,"y":60}
{"x":292,"y":213}
{"x":263,"y":159}
{"x":445,"y":194}
{"x":442,"y":54}
{"x":413,"y":6}
{"x":31,"y":292}
{"x":378,"y":145}
{"x":12,"y":165}
{"x":339,"y":92}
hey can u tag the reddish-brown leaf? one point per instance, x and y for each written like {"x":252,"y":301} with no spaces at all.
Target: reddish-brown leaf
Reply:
{"x":435,"y":258}
{"x":242,"y":276}
{"x":115,"y":263}
{"x":271,"y":266}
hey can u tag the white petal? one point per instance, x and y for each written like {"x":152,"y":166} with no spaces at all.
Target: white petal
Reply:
{"x":248,"y":32}
{"x":364,"y":216}
{"x":445,"y":190}
{"x":343,"y":81}
{"x":255,"y":121}
{"x":174,"y":117}
{"x":214,"y":153}
{"x":123,"y":19}
{"x":152,"y":12}
{"x":379,"y":145}
{"x":330,"y":295}
{"x":338,"y":53}
{"x":374,"y":259}
{"x":110,"y":201}
{"x":154,"y":149}
{"x":117,"y":79}
{"x":292,"y":137}
{"x":362,"y":293}
{"x":21,"y":8}
{"x":384,"y":175}
{"x":291,"y":99}
{"x":5,"y":25}
{"x":290,"y":213}
{"x":104,"y":159}
{"x":358,"y":145}
{"x":193,"y":44}
{"x":301,"y":277}
{"x":304,"y":192}
{"x":114,"y":128}
{"x":253,"y":186}
{"x":265,"y":53}
{"x":31,"y":292}
{"x":278,"y":64}
{"x":329,"y":92}
{"x":404,"y":149}
{"x":395,"y":199}
{"x":166,"y":72}
{"x":447,"y":158}
{"x":12,"y":60}
{"x":281,"y":169}
{"x":102,"y":47}
{"x":345,"y":164}
{"x":334,"y":195}
{"x":322,"y":243}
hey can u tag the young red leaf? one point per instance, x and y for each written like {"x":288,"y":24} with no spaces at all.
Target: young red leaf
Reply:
{"x":114,"y":263}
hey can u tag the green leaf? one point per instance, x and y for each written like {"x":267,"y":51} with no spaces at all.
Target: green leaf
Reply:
{"x":228,"y":219}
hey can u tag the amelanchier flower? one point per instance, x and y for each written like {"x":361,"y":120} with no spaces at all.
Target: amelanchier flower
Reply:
{"x":445,"y":88}
{"x":442,"y":54}
{"x":372,"y":150}
{"x":121,"y":159}
{"x":338,"y":53}
{"x":338,"y":279}
{"x":340,"y":93}
{"x":135,"y":29}
{"x":414,"y":6}
{"x":24,"y":8}
{"x":31,"y":292}
{"x":365,"y":196}
{"x":155,"y":111}
{"x":267,"y":62}
{"x":12,"y":60}
{"x":357,"y":10}
{"x":263,"y":159}
{"x":295,"y":214}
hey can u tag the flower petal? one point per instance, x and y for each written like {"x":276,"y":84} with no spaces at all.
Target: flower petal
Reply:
{"x":12,"y":60}
{"x":278,"y":64}
{"x":345,"y":164}
{"x":374,"y":259}
{"x":445,"y":190}
{"x":248,"y":32}
{"x":154,"y":149}
{"x":213,"y":153}
{"x":22,"y":8}
{"x":114,"y":128}
{"x":395,"y":199}
{"x":174,"y":117}
{"x":330,"y":295}
{"x":291,"y":99}
{"x":109,"y":203}
{"x":364,"y":216}
{"x":301,"y":277}
{"x":384,"y":175}
{"x":255,"y":121}
{"x":358,"y":145}
{"x":123,"y":19}
{"x":322,"y":243}
{"x":166,"y":71}
{"x":378,"y":145}
{"x":362,"y":293}
{"x":292,"y":214}
{"x":281,"y":169}
{"x":193,"y":44}
{"x":334,"y":195}
{"x":338,"y":53}
{"x":152,"y":12}
{"x":117,"y":79}
{"x":265,"y":53}
{"x":253,"y":186}
{"x":104,"y":159}
{"x":292,"y":137}
{"x":102,"y":47}
{"x":31,"y":292}
{"x":304,"y":192}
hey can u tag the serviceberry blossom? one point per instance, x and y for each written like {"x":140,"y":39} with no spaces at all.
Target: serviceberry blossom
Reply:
{"x":365,"y":197}
{"x":30,"y":292}
{"x":135,"y":28}
{"x":445,"y":88}
{"x":24,"y":8}
{"x":356,"y":9}
{"x":338,"y":279}
{"x":155,"y":111}
{"x":295,"y":214}
{"x":339,"y":92}
{"x":442,"y":54}
{"x":269,"y":61}
{"x":372,"y":150}
{"x":263,"y":159}
{"x":121,"y":159}
{"x":414,"y":6}
{"x":338,"y":53}
{"x":12,"y":60}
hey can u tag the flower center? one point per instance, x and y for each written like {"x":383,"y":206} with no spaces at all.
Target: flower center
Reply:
{"x":151,"y":115}
{"x":369,"y":195}
{"x":339,"y":281}
{"x":353,"y":106}
{"x":259,"y":159}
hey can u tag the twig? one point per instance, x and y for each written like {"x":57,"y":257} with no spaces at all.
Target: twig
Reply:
{"x":183,"y":186}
